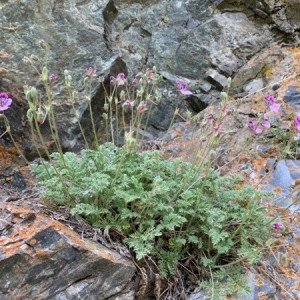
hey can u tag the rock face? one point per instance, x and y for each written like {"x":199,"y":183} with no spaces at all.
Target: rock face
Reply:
{"x":184,"y":39}
{"x":43,"y":259}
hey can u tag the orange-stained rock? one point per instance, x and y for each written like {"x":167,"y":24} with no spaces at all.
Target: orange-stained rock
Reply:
{"x":40,"y":258}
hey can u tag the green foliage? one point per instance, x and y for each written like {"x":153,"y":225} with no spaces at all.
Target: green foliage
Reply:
{"x":166,"y":209}
{"x":227,"y":281}
{"x":285,"y":138}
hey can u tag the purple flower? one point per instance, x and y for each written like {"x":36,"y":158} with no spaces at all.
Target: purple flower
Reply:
{"x":297,"y":122}
{"x":5,"y":101}
{"x":254,"y":126}
{"x":90,"y":72}
{"x":120,"y":80}
{"x":182,"y":88}
{"x":264,"y":122}
{"x":53,"y":77}
{"x":277,"y":226}
{"x":258,"y":127}
{"x":134,"y":81}
{"x":127,"y":104}
{"x":274,"y":107}
{"x":211,"y":117}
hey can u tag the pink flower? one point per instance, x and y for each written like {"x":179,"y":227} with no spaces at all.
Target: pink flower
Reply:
{"x":141,"y":107}
{"x":274,"y":107}
{"x":217,"y":127}
{"x":182,"y":88}
{"x":5,"y":101}
{"x":149,"y":75}
{"x":90,"y":72}
{"x":277,"y":226}
{"x":297,"y":122}
{"x":53,"y":77}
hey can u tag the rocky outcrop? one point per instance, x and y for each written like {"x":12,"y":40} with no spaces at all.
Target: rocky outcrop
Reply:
{"x":43,"y":259}
{"x":184,"y":39}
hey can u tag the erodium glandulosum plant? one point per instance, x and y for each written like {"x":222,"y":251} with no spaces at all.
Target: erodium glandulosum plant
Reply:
{"x":182,"y":220}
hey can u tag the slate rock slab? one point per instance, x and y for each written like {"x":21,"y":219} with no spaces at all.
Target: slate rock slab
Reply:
{"x":41,"y":258}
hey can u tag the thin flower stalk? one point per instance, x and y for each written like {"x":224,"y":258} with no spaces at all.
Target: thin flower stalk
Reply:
{"x":72,"y":96}
{"x":88,"y":84}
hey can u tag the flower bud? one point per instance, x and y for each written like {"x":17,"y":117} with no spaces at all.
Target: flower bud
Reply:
{"x":44,"y":75}
{"x":42,"y":44}
{"x":122,"y":95}
{"x":105,"y":107}
{"x":30,"y":115}
{"x":140,"y":92}
{"x":85,"y":81}
{"x":105,"y":116}
{"x":40,"y":116}
{"x":223,"y":96}
{"x":75,"y":95}
{"x":229,"y":80}
{"x":101,"y":79}
{"x":26,"y":60}
{"x":157,"y":78}
{"x":188,"y":115}
{"x":34,"y":57}
{"x":31,"y":95}
{"x":68,"y":79}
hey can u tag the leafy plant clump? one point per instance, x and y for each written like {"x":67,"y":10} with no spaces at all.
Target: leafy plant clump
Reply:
{"x":168,"y":210}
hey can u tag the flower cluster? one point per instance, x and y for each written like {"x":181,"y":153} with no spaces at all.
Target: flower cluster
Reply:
{"x":258,"y":126}
{"x":5,"y":101}
{"x":119,"y":80}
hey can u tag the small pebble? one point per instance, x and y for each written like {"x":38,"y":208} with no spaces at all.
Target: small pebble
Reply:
{"x":276,"y":86}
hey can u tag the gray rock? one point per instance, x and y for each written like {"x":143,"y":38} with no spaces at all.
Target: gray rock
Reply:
{"x":218,"y":79}
{"x":254,"y":85}
{"x":42,"y":258}
{"x":292,"y":96}
{"x":182,"y":38}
